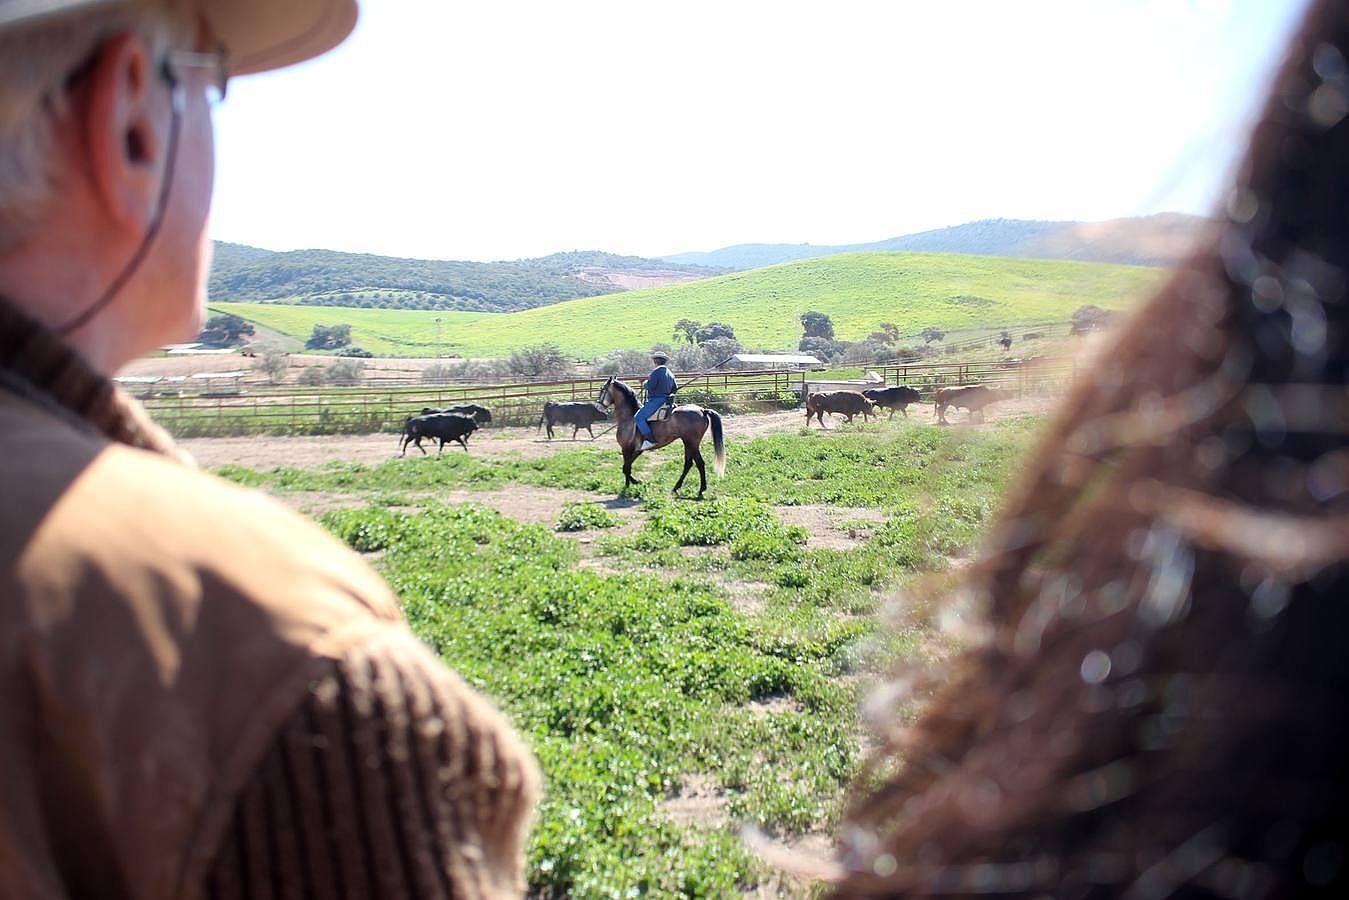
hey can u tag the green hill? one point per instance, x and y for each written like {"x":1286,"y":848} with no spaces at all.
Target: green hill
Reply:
{"x":367,"y":281}
{"x":857,"y":290}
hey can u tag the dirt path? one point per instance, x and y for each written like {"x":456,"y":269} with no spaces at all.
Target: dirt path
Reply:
{"x":268,"y":452}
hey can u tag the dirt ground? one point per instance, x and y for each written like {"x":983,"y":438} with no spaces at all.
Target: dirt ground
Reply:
{"x":265,"y":452}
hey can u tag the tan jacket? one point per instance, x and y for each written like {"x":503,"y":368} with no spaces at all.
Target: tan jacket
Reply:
{"x":158,"y":627}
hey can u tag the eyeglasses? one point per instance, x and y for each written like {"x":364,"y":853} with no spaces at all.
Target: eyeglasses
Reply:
{"x":217,"y":60}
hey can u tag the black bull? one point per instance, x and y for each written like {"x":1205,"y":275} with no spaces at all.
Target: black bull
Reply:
{"x":578,"y":414}
{"x":443,"y":427}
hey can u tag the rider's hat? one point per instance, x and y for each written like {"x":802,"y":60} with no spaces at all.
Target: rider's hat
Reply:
{"x":660,"y":355}
{"x":257,"y":34}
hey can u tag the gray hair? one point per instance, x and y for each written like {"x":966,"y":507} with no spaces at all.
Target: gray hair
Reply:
{"x":35,"y":64}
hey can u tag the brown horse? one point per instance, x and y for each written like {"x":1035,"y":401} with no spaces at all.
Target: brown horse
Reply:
{"x":688,"y":423}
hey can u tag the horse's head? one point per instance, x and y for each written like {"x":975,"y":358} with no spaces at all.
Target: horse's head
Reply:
{"x":604,"y":398}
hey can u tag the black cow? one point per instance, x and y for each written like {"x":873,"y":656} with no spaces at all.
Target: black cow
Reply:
{"x":480,"y":414}
{"x":442,"y":427}
{"x":578,"y":414}
{"x":893,"y":398}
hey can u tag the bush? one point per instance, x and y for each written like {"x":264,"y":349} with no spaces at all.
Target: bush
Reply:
{"x":273,"y":364}
{"x":225,"y":330}
{"x":313,"y":376}
{"x":626,"y":362}
{"x":346,"y":372}
{"x":357,"y":352}
{"x":578,"y":516}
{"x":713,"y":331}
{"x":329,"y":337}
{"x":823,"y":348}
{"x":864,"y":353}
{"x":1091,"y":318}
{"x":437,"y":374}
{"x":539,"y":361}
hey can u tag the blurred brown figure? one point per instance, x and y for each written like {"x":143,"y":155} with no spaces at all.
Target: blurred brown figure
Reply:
{"x":1161,"y":707}
{"x":201,"y":694}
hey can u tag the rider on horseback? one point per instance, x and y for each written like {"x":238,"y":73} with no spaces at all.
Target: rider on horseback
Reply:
{"x":660,"y":387}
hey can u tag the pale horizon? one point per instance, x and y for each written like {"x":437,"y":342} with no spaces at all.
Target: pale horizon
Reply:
{"x":520,"y":129}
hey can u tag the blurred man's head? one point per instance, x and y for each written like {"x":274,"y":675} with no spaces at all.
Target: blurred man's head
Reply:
{"x":107,"y":154}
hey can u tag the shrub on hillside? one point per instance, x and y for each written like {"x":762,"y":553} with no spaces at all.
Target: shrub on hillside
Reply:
{"x":626,"y":362}
{"x":439,"y":373}
{"x":225,"y":330}
{"x":346,"y":372}
{"x":329,"y":337}
{"x":539,"y":361}
{"x":713,"y":331}
{"x":357,"y":352}
{"x":272,"y":363}
{"x":313,"y":376}
{"x":822,"y":348}
{"x":817,"y":325}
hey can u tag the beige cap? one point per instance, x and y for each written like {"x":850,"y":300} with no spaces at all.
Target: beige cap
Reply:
{"x":259,"y":34}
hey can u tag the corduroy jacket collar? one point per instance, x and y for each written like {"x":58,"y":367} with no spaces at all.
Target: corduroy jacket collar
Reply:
{"x":37,"y":365}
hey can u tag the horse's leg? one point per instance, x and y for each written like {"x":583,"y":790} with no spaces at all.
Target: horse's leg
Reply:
{"x":688,"y":464}
{"x":702,"y":472}
{"x":627,"y":469}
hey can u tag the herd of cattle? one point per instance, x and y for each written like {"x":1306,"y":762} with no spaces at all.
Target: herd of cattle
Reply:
{"x":457,"y":423}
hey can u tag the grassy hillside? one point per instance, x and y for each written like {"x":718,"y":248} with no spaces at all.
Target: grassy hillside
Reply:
{"x":363,"y":280}
{"x":858,"y":291}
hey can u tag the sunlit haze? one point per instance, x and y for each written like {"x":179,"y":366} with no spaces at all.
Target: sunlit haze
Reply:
{"x":511,"y":129}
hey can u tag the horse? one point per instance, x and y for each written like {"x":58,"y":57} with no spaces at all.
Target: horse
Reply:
{"x":687,"y":422}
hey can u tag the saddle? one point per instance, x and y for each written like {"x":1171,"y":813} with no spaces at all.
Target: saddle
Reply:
{"x":662,"y":413}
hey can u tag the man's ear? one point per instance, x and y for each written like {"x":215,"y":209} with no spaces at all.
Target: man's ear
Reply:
{"x":125,"y":124}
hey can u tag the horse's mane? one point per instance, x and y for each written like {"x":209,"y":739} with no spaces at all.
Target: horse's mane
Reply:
{"x":627,"y":392}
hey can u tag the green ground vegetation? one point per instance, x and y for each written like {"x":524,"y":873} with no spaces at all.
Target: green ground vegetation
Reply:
{"x":648,"y":673}
{"x":859,"y":291}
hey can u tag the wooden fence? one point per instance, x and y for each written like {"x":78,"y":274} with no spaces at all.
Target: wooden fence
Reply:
{"x":357,"y":410}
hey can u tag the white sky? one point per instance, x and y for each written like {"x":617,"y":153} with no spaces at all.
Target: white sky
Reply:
{"x":462,"y":129}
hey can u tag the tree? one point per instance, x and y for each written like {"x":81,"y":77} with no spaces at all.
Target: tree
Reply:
{"x":686,"y":329}
{"x":539,"y":361}
{"x":713,"y":331}
{"x":273,"y":364}
{"x":1005,"y":338}
{"x":817,"y":324}
{"x":932,"y":334}
{"x":225,"y":330}
{"x":1091,"y":318}
{"x":891,"y":331}
{"x":822,"y":348}
{"x":329,"y":337}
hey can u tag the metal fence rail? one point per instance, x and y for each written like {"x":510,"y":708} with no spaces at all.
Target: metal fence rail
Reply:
{"x":354,"y":410}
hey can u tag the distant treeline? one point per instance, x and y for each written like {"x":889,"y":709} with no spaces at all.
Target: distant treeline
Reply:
{"x":330,"y":278}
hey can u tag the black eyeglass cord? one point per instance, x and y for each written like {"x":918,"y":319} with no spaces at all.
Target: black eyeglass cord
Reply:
{"x":161,"y":207}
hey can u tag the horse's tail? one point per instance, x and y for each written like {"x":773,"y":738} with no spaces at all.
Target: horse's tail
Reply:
{"x":718,"y":443}
{"x":543,"y":415}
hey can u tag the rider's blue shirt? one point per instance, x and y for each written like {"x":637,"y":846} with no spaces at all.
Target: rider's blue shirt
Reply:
{"x":661,"y":382}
